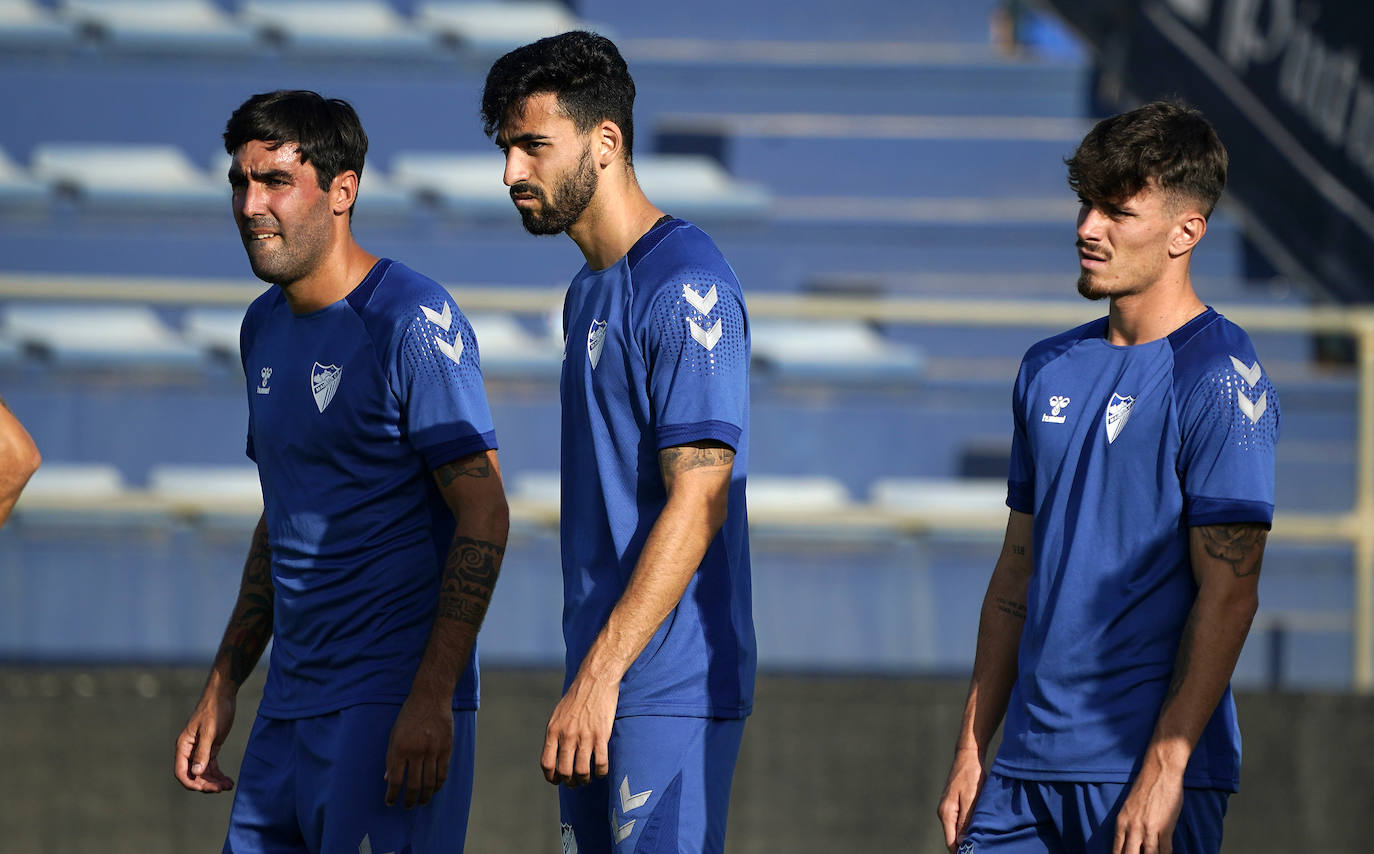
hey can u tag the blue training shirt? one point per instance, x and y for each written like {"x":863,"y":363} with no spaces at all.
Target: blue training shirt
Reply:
{"x":1117,"y":452}
{"x":656,"y":354}
{"x":351,"y":408}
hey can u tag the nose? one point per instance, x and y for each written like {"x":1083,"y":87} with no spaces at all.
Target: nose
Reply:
{"x":1090,"y":221}
{"x":250,"y":200}
{"x":517,"y":167}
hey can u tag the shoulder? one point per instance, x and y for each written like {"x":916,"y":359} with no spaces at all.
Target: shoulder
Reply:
{"x":395,"y":293}
{"x":677,"y":255}
{"x":258,"y":311}
{"x":1212,"y":346}
{"x":1047,"y":350}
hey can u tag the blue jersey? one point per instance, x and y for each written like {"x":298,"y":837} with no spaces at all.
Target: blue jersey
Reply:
{"x":657,"y":355}
{"x":1117,"y":452}
{"x":350,"y":409}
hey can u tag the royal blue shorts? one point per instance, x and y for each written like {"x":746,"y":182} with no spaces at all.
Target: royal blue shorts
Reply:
{"x":315,"y":786}
{"x":668,"y":789}
{"x":1023,"y":816}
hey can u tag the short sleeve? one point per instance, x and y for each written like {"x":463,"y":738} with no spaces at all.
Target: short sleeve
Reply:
{"x":1021,"y":472}
{"x":439,"y":386}
{"x":697,"y":348}
{"x":1229,"y":424}
{"x":245,"y":342}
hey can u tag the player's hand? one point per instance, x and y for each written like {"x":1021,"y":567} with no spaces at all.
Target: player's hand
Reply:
{"x":577,"y":740}
{"x":419,"y":750}
{"x":1146,"y":822}
{"x":966,"y":777}
{"x":196,"y":765}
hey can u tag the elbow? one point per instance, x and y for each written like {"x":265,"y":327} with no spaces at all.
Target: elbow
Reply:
{"x":22,"y":461}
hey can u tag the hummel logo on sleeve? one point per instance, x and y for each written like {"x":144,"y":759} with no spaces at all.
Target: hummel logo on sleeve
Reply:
{"x":1251,"y":375}
{"x":444,"y":320}
{"x":705,"y":337}
{"x":263,"y":387}
{"x":1254,"y":410}
{"x":440,"y":319}
{"x":703,"y":304}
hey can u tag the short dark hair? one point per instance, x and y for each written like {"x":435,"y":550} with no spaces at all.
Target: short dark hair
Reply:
{"x":326,"y":131}
{"x":1167,"y":143}
{"x":583,"y":70}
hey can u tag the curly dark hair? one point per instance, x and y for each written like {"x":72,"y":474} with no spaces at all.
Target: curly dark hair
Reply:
{"x":326,"y":131}
{"x":584,"y":70}
{"x":1167,"y":143}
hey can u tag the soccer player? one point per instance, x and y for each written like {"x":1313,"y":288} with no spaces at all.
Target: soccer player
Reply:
{"x":19,"y":459}
{"x":657,"y":613}
{"x":384,"y":518}
{"x":1141,"y":493}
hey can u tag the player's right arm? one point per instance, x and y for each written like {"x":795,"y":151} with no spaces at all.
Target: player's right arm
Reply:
{"x":994,"y":672}
{"x":19,"y":459}
{"x":250,"y":628}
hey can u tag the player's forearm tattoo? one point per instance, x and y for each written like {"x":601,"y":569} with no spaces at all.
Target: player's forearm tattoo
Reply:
{"x":1012,"y":608}
{"x":1018,"y":550}
{"x":1240,"y":546}
{"x":1185,"y":652}
{"x":474,"y":466}
{"x":469,"y":577}
{"x":250,"y":626}
{"x":679,"y":459}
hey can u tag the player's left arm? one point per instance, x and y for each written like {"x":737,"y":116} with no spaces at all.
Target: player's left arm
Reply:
{"x":422,"y":738}
{"x":1226,"y":562}
{"x":19,"y":459}
{"x":697,"y":477}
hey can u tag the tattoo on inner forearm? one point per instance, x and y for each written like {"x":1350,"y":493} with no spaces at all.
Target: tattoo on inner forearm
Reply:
{"x":1239,"y":546}
{"x":474,"y":466}
{"x":250,"y":627}
{"x":1185,"y":652}
{"x":1012,"y":608}
{"x":469,"y":577}
{"x":1017,"y":549}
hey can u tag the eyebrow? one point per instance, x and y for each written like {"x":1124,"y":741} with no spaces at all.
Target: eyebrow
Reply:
{"x":528,"y":136}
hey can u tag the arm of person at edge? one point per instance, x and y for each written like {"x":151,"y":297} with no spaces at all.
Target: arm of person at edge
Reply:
{"x":994,"y":672}
{"x":697,"y":478}
{"x":19,"y":459}
{"x":421,"y":742}
{"x":1226,"y":563}
{"x":196,"y":765}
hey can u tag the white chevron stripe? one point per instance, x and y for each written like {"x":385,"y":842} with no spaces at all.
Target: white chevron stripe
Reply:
{"x":454,"y":351}
{"x":1255,"y":410}
{"x":442,"y":320}
{"x":703,"y":304}
{"x":628,"y":801}
{"x":705,"y":337}
{"x":1251,"y":375}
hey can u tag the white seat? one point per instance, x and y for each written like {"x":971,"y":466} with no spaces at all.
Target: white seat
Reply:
{"x":536,"y":487}
{"x":494,"y":27}
{"x":215,"y":330}
{"x":963,"y":495}
{"x":505,"y":345}
{"x":25,"y":25}
{"x":57,"y":482}
{"x":187,"y":26}
{"x":358,"y":27}
{"x":128,"y":174}
{"x":790,"y":494}
{"x":17,"y":188}
{"x":829,"y":348}
{"x":215,"y":487}
{"x":98,"y":336}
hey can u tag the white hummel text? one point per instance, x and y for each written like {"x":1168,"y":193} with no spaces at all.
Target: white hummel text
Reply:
{"x":262,"y":387}
{"x":365,"y":847}
{"x":1057,"y":402}
{"x":705,"y":337}
{"x":1251,"y":375}
{"x":1118,"y":410}
{"x":324,"y":382}
{"x":441,"y":319}
{"x":703,"y":304}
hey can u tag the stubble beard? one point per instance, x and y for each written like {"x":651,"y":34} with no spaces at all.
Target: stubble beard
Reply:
{"x":566,"y":200}
{"x":297,"y":256}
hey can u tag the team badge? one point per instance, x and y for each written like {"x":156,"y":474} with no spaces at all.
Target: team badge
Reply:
{"x":596,"y":339}
{"x":967,"y":847}
{"x":1118,"y":410}
{"x":569,"y":840}
{"x":324,"y":382}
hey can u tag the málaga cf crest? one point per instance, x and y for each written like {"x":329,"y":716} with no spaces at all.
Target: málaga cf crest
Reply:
{"x":324,"y":381}
{"x":1118,"y":410}
{"x":596,"y":339}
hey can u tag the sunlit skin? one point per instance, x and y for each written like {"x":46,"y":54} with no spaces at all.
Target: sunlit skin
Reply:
{"x":578,"y":183}
{"x":1137,"y":252}
{"x":295,"y":233}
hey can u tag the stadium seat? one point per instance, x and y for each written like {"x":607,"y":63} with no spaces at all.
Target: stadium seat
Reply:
{"x":954,"y":495}
{"x":18,"y":191}
{"x":25,"y":25}
{"x":94,"y":337}
{"x":129,"y":177}
{"x":358,"y":28}
{"x":506,"y":346}
{"x":494,"y":27}
{"x":212,"y":489}
{"x":831,"y":350}
{"x":56,"y":482}
{"x":785,"y":494}
{"x":214,"y":330}
{"x":174,"y":26}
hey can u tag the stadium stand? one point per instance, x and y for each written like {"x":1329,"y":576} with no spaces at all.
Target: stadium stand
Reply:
{"x":172,"y":26}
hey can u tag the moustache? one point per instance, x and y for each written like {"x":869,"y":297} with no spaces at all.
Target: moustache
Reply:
{"x":523,"y":188}
{"x":1092,"y":248}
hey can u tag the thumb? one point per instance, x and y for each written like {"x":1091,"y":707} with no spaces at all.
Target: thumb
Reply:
{"x":203,"y":752}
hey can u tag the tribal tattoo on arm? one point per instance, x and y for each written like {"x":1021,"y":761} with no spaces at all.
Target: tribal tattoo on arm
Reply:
{"x":680,"y":458}
{"x":473,"y":563}
{"x":1239,"y":546}
{"x":250,"y":626}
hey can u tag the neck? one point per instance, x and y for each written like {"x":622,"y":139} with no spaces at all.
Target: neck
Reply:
{"x":618,"y":215}
{"x":333,"y":279}
{"x":1153,"y":313}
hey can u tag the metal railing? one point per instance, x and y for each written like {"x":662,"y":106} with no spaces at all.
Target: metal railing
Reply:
{"x":1355,"y":526}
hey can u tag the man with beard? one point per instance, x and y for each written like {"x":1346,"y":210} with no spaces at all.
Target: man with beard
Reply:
{"x":384,"y":517}
{"x":1141,"y":492}
{"x":655,"y":395}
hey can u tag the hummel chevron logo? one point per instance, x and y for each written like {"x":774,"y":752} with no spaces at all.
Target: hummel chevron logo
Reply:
{"x":622,"y":831}
{"x":454,"y":351}
{"x":1255,"y":410}
{"x":365,"y":847}
{"x":1251,"y":375}
{"x":628,"y":801}
{"x":705,"y":337}
{"x":440,"y":319}
{"x":703,"y":304}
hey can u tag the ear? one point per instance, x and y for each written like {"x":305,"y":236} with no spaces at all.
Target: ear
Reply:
{"x":343,"y":192}
{"x":607,"y":143}
{"x":1188,"y":230}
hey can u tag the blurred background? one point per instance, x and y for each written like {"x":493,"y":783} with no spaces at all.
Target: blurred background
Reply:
{"x":887,"y":179}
